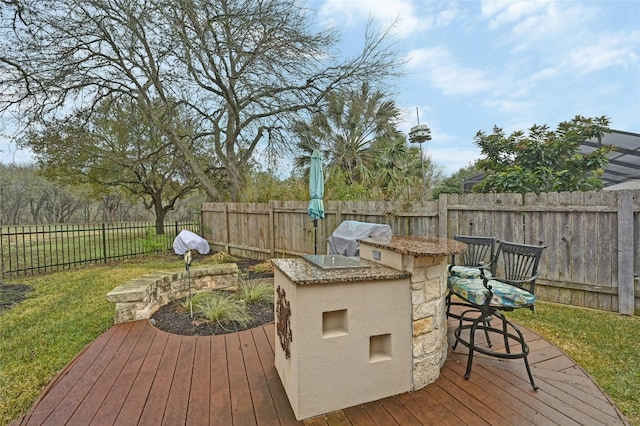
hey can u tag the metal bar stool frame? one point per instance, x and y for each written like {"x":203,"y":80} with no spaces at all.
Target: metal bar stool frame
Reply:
{"x":519,"y":270}
{"x":480,"y":254}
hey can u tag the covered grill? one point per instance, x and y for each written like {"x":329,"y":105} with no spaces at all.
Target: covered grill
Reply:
{"x":344,"y":239}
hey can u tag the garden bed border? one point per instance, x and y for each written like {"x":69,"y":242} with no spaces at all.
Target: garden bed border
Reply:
{"x":141,"y":297}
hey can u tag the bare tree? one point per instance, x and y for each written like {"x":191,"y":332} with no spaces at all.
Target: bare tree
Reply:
{"x":242,"y":69}
{"x":14,"y":198}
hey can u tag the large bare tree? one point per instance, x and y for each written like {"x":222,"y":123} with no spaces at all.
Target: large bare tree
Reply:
{"x":242,"y":69}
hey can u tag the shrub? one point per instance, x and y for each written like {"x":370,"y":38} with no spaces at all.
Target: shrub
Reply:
{"x":153,"y":242}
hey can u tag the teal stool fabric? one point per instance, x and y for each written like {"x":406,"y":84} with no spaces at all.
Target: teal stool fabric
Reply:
{"x":467,"y":272}
{"x":504,"y":295}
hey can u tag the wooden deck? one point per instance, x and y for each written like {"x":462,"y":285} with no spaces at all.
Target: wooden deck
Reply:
{"x":134,"y":374}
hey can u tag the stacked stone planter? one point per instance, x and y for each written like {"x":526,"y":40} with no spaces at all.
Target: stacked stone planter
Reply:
{"x":141,"y":297}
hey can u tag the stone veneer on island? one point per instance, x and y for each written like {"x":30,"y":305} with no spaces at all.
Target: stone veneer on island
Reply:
{"x":425,"y":258}
{"x":350,"y":336}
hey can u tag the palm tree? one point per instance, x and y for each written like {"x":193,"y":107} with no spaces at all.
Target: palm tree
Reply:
{"x":347,"y":131}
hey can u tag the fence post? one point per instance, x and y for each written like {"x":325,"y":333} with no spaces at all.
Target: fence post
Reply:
{"x":443,"y":221}
{"x":226,"y":228}
{"x":272,"y":234}
{"x":104,"y":242}
{"x":626,"y":296}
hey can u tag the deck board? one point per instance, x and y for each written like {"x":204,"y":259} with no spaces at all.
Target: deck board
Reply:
{"x":141,"y":386}
{"x":101,"y":387}
{"x":182,"y":384}
{"x":220,"y":400}
{"x":69,"y":377}
{"x":115,"y":399}
{"x":198,"y":405}
{"x":241,"y":403}
{"x":136,"y":374}
{"x":156,"y":403}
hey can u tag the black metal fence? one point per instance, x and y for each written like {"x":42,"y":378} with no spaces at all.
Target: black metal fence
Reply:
{"x":32,"y":249}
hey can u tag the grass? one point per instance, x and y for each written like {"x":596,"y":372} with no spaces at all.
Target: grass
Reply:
{"x":262,"y":268}
{"x":255,"y":292}
{"x":606,"y":345}
{"x":68,"y":310}
{"x":222,"y":308}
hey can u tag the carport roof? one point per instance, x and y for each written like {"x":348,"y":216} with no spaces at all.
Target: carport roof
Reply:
{"x":624,"y":161}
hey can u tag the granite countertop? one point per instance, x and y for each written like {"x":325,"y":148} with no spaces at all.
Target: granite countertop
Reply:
{"x":301,"y":272}
{"x":418,"y":246}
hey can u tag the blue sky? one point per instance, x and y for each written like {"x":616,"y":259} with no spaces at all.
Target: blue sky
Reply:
{"x":475,"y":64}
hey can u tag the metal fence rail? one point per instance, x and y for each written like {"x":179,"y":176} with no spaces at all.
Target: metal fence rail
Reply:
{"x":32,"y":249}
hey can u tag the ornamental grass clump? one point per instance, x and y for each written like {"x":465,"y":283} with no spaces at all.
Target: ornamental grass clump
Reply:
{"x":221,"y":308}
{"x":255,"y":292}
{"x":262,"y":268}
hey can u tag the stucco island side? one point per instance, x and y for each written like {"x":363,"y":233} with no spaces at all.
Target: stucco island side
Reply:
{"x":425,"y":258}
{"x":345,"y":337}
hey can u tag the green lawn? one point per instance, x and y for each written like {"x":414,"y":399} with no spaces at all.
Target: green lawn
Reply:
{"x":68,"y":310}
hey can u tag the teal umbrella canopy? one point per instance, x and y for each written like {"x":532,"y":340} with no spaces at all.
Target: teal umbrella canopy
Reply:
{"x":316,"y":187}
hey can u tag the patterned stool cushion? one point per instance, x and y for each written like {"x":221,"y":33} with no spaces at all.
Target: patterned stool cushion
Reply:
{"x":504,"y":295}
{"x":467,"y":272}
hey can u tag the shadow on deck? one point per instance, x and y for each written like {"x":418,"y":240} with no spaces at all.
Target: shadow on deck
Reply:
{"x":135,"y":374}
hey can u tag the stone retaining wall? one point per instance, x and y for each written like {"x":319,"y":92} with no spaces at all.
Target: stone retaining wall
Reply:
{"x":143,"y":296}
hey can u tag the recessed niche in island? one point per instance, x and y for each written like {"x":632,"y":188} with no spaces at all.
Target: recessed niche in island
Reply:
{"x":380,"y":348}
{"x":335,"y":323}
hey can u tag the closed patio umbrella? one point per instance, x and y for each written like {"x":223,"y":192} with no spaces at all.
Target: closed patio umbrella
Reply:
{"x":316,"y":191}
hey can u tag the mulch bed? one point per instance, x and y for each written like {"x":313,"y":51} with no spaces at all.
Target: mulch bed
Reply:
{"x":174,"y":318}
{"x":10,"y":294}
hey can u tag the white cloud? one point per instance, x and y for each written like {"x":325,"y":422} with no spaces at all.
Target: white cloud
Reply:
{"x":410,"y":17}
{"x":446,"y":17}
{"x":508,"y":106}
{"x":438,"y":67}
{"x":613,"y":50}
{"x":452,"y":158}
{"x":502,"y":13}
{"x":351,"y":13}
{"x":540,"y":26}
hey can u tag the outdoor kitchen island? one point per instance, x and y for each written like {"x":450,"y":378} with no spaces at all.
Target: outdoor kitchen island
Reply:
{"x":354,"y":330}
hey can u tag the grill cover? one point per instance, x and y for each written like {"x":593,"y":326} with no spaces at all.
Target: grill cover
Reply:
{"x":344,"y":239}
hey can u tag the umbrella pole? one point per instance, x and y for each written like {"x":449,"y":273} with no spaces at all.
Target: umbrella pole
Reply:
{"x":315,"y":236}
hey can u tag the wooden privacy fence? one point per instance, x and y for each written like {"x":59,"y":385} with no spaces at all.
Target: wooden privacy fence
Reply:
{"x":591,"y":260}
